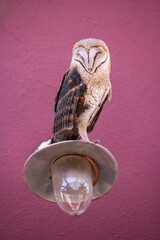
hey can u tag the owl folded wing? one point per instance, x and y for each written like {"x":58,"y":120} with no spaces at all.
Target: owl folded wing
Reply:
{"x":69,"y":101}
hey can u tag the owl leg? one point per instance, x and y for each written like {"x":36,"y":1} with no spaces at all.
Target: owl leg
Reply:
{"x":83,"y":132}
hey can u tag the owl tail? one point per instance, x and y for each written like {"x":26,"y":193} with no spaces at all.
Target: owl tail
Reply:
{"x":52,"y":141}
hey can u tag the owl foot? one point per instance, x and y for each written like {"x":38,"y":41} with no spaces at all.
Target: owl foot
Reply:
{"x":96,"y":141}
{"x":43,"y":145}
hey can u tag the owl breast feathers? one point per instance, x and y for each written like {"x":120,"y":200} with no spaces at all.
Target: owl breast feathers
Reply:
{"x":84,"y":90}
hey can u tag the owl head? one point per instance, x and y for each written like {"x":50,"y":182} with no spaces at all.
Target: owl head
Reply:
{"x":90,"y":54}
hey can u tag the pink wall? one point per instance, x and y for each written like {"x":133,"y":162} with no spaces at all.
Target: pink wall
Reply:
{"x":36,"y":39}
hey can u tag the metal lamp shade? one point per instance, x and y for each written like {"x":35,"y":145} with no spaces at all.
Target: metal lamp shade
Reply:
{"x":37,"y":169}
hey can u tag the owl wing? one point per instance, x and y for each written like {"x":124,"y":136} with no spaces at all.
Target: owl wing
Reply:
{"x":58,"y":93}
{"x":69,"y":103}
{"x":94,"y":120}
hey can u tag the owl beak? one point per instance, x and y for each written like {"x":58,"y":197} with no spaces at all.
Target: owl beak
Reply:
{"x":90,"y":69}
{"x":90,"y":64}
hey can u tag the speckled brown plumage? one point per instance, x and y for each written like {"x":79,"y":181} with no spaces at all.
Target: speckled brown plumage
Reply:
{"x":69,"y":104}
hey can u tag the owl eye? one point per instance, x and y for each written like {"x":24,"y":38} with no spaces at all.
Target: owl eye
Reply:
{"x":98,"y":53}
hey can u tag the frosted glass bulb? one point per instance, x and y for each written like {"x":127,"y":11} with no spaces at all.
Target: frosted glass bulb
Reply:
{"x":72,"y":183}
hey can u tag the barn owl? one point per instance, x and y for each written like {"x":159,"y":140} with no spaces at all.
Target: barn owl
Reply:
{"x":84,"y":89}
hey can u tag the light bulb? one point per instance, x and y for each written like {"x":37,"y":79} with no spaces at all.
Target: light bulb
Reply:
{"x":72,"y":183}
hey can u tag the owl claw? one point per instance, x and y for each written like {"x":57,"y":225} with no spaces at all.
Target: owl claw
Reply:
{"x":96,"y":141}
{"x":43,"y":145}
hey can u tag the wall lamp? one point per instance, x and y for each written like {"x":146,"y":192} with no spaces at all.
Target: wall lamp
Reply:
{"x":71,"y":173}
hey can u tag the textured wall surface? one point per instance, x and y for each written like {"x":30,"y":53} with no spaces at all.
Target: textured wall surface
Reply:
{"x":36,"y":40}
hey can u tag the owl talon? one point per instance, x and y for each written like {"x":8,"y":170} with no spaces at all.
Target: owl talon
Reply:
{"x":96,"y":141}
{"x":43,"y":145}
